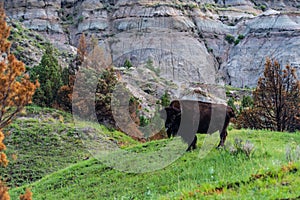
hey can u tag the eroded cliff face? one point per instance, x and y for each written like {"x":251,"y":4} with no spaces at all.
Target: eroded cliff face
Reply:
{"x":186,"y":40}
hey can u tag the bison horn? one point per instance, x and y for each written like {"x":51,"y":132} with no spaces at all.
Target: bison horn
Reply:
{"x":176,"y":109}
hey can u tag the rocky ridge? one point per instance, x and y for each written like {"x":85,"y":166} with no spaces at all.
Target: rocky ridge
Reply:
{"x":209,"y":41}
{"x":29,"y":46}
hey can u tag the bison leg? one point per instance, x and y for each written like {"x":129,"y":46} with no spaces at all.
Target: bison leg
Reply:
{"x":193,"y":145}
{"x":223,"y":136}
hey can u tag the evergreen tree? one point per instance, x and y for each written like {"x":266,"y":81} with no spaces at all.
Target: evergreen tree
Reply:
{"x":247,"y":102}
{"x":49,"y":74}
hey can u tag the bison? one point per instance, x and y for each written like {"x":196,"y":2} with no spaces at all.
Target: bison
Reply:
{"x":186,"y":118}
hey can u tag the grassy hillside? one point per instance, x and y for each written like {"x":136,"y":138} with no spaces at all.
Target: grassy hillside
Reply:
{"x":270,"y":171}
{"x":43,"y":140}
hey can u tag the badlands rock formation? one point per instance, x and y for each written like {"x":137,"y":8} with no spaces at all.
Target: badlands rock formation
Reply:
{"x":187,"y":41}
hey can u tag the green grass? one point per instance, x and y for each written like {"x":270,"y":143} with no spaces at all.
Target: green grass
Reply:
{"x":231,"y":88}
{"x":45,"y":140}
{"x":220,"y":174}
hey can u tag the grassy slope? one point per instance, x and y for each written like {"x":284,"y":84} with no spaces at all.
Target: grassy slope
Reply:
{"x":219,"y":175}
{"x":43,"y":141}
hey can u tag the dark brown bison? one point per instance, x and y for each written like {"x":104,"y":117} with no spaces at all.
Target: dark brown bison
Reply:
{"x":186,"y":118}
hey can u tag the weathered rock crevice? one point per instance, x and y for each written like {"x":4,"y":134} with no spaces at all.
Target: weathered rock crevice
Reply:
{"x":186,"y":40}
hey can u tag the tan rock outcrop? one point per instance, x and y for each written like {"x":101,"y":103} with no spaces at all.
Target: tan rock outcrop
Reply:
{"x":186,"y":40}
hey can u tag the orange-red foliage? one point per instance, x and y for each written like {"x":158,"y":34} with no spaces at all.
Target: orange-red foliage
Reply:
{"x":4,"y":192}
{"x":65,"y":95}
{"x":15,"y":92}
{"x":64,"y":98}
{"x":27,"y":195}
{"x":4,"y":32}
{"x":81,"y":49}
{"x":3,"y":158}
{"x":276,"y":100}
{"x":16,"y":89}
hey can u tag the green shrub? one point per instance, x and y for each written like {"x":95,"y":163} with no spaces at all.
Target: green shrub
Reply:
{"x":128,"y":64}
{"x":231,"y":104}
{"x":191,"y":6}
{"x":237,"y":41}
{"x":230,"y":38}
{"x":144,"y":121}
{"x":149,"y":65}
{"x":240,"y":37}
{"x":247,"y":102}
{"x":70,"y":18}
{"x":165,"y":99}
{"x":263,"y":7}
{"x":49,"y":75}
{"x":80,"y":19}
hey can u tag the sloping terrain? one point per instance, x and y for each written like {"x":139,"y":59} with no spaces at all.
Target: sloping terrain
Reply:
{"x":42,"y":141}
{"x":270,"y":171}
{"x":188,"y":49}
{"x":29,"y":46}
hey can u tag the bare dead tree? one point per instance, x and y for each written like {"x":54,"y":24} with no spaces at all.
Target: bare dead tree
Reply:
{"x":276,"y":100}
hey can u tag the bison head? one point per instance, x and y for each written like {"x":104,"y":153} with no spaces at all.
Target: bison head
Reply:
{"x":172,"y":122}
